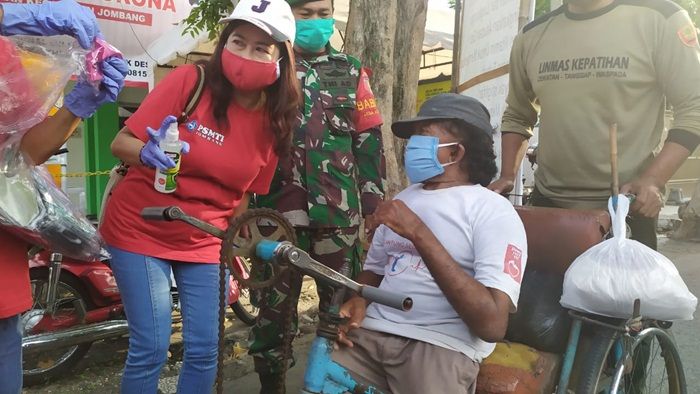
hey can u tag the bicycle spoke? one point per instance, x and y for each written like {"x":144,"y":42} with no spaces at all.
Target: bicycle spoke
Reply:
{"x":650,"y":371}
{"x":241,"y":242}
{"x":662,"y":385}
{"x":651,"y":364}
{"x":648,"y":374}
{"x":242,"y":251}
{"x":255,"y":233}
{"x":277,"y":235}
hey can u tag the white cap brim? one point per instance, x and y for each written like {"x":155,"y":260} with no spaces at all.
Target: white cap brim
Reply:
{"x":272,"y":32}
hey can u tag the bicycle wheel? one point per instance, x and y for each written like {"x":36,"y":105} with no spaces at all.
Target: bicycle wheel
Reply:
{"x":652,"y":365}
{"x":244,"y":310}
{"x":596,"y":366}
{"x":645,"y":364}
{"x":246,"y":307}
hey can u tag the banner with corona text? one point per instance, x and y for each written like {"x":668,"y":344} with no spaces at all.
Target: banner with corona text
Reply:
{"x":132,"y":26}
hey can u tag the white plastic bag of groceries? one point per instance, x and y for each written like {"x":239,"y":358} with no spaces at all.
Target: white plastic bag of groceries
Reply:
{"x":607,"y":278}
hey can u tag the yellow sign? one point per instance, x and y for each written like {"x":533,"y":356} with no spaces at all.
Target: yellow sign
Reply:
{"x":428,"y":90}
{"x":56,"y":172}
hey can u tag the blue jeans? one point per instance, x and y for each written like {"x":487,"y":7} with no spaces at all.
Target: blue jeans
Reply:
{"x":10,"y":356}
{"x":144,"y":283}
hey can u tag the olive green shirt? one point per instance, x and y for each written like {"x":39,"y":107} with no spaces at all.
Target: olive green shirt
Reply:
{"x":581,"y":73}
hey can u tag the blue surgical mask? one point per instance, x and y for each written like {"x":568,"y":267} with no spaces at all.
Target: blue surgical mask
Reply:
{"x":313,"y":34}
{"x":421,"y":159}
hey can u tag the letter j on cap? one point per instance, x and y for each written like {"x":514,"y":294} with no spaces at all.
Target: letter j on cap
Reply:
{"x":262,"y":7}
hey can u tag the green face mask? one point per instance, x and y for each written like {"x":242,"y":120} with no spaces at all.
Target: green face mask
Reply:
{"x":313,"y":34}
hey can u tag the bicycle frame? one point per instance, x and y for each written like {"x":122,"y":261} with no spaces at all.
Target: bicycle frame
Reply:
{"x":631,"y":331}
{"x":572,"y":346}
{"x":569,"y":356}
{"x":323,"y":375}
{"x":639,"y":338}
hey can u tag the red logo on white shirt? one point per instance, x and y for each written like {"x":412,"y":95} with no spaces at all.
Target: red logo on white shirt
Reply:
{"x":512,"y":264}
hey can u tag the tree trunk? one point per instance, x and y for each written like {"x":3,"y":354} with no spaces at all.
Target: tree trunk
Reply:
{"x":408,"y":47}
{"x":392,"y":50}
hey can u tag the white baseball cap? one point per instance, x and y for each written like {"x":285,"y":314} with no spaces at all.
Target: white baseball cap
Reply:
{"x":274,"y":17}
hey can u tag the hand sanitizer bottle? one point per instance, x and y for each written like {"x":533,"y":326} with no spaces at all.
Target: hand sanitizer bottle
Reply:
{"x":166,"y":180}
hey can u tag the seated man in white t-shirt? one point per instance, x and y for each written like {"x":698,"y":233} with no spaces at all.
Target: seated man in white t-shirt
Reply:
{"x":455,"y":247}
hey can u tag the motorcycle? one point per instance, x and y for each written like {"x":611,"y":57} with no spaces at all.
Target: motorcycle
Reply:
{"x":77,"y":303}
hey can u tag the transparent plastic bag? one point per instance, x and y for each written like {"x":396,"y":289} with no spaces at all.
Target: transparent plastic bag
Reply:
{"x":33,"y":74}
{"x":101,"y":51}
{"x":33,"y":208}
{"x":609,"y":277}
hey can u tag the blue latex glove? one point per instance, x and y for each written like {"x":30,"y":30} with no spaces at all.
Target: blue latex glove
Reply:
{"x":84,"y":99}
{"x":50,"y":18}
{"x":151,"y":155}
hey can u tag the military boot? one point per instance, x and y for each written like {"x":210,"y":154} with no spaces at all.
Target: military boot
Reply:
{"x":272,"y":384}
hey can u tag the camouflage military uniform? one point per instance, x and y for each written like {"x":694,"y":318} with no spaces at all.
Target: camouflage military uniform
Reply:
{"x":334,"y":174}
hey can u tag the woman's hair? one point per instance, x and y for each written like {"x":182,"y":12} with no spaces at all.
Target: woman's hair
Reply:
{"x":282,"y":99}
{"x":479,"y":159}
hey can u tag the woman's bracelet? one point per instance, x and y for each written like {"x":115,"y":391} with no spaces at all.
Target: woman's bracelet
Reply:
{"x":140,"y":155}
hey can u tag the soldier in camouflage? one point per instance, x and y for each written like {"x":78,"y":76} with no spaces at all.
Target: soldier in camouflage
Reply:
{"x":334,"y":175}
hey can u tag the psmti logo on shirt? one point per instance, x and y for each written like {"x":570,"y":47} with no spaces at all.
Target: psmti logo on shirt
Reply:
{"x":191,"y":125}
{"x":210,"y":135}
{"x":512,"y":264}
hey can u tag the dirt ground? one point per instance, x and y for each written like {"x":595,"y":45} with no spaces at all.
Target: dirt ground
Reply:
{"x":100,"y":371}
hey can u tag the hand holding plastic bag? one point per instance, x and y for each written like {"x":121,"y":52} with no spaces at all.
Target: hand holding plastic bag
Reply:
{"x":609,"y":277}
{"x":33,"y":74}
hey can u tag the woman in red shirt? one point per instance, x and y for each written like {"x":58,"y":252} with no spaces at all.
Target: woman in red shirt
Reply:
{"x":242,"y":122}
{"x":17,"y":99}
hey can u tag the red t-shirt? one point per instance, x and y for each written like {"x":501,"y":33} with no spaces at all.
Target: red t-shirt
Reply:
{"x":222,"y":165}
{"x":15,"y":292}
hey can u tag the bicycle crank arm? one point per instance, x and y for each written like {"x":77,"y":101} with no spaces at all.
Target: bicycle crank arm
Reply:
{"x":266,"y":250}
{"x":174,"y":213}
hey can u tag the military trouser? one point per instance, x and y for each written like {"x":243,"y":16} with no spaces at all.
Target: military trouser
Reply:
{"x":333,"y":248}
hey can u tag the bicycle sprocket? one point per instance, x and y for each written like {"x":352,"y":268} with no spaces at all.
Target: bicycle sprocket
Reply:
{"x":263,"y":224}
